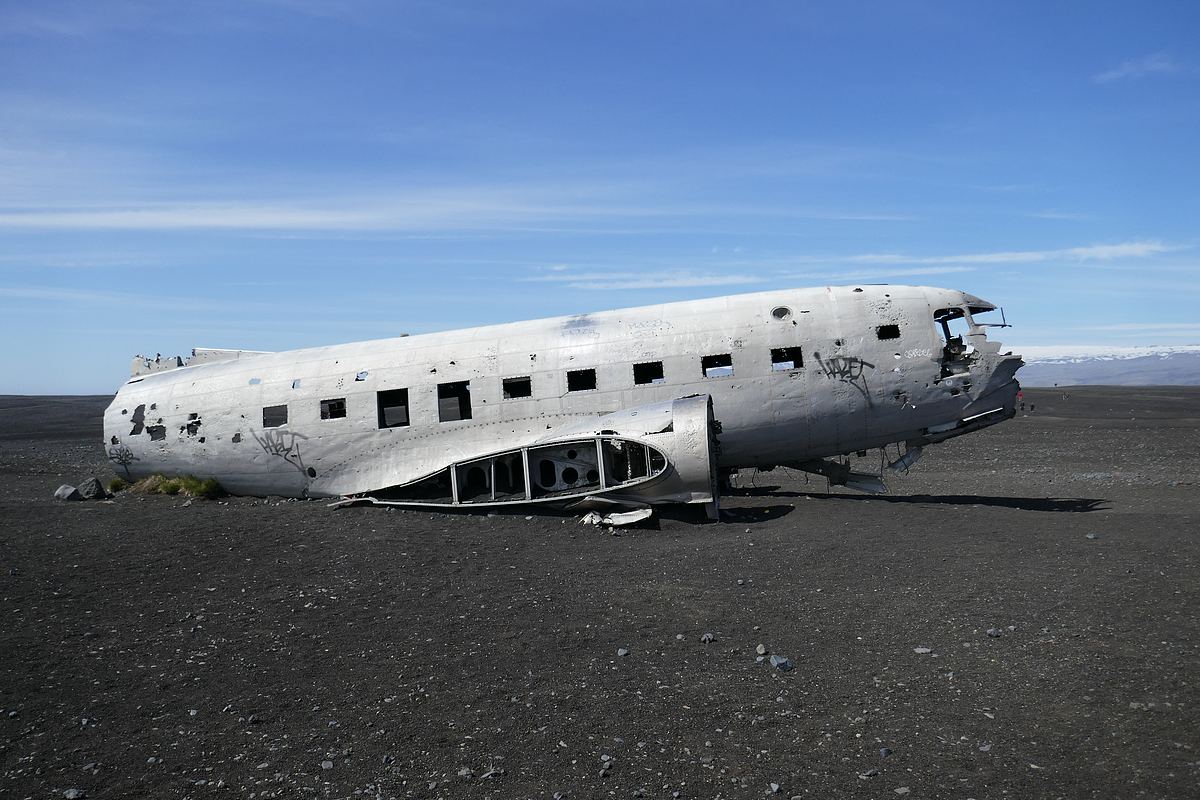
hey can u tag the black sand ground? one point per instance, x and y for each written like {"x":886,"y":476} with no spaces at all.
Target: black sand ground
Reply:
{"x":263,"y":649}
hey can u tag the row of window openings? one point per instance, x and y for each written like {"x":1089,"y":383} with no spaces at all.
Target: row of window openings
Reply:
{"x":454,"y":399}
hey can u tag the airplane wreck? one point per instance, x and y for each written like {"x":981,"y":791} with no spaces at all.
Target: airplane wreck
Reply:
{"x":619,"y":409}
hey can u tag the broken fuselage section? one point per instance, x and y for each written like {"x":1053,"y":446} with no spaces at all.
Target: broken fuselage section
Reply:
{"x":623,"y":408}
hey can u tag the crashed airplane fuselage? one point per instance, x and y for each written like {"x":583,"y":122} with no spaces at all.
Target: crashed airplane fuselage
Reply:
{"x":632,"y":407}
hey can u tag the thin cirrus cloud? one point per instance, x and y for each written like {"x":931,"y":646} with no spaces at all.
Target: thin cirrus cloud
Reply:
{"x":1096,"y":252}
{"x":669,"y":279}
{"x":876,"y":274}
{"x":599,"y":280}
{"x":1153,"y":64}
{"x":420,"y":210}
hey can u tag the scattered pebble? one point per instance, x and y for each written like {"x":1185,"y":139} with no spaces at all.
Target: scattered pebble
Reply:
{"x":781,"y":663}
{"x":1092,"y":536}
{"x":922,"y":650}
{"x":622,"y":652}
{"x":995,"y":633}
{"x":707,"y":638}
{"x":326,"y":764}
{"x":761,"y":649}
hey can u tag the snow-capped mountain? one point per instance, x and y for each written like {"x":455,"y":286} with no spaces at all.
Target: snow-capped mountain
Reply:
{"x":1075,"y":365}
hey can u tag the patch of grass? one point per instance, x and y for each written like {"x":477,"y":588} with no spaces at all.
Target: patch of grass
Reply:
{"x":117,"y":485}
{"x":187,"y":485}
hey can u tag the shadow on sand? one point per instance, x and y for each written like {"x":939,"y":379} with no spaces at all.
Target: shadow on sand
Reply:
{"x":695,"y":515}
{"x":1055,"y":504}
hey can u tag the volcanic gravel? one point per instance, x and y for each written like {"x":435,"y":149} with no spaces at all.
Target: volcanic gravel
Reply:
{"x":1018,"y":618}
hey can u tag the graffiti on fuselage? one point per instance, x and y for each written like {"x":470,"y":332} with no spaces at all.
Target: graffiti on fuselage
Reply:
{"x":282,"y":444}
{"x":847,"y":369}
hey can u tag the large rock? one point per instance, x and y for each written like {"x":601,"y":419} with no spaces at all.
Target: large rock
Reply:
{"x":66,"y":492}
{"x":91,"y":489}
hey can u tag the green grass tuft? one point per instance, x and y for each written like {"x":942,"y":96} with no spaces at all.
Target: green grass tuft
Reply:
{"x":187,"y":485}
{"x":117,"y":485}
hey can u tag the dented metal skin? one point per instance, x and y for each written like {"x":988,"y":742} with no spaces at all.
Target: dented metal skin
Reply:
{"x":876,"y":369}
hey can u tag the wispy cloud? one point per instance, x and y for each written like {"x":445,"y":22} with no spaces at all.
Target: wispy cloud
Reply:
{"x":875,"y":274}
{"x":664,"y":279}
{"x":1096,"y":252}
{"x":1155,"y":63}
{"x":582,"y":207}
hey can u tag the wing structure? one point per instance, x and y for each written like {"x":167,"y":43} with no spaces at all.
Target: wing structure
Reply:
{"x":655,"y":453}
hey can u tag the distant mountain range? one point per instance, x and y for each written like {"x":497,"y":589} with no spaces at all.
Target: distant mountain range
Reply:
{"x":1067,"y":365}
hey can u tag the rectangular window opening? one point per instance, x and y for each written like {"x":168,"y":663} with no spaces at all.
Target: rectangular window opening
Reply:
{"x":393,"y":408}
{"x":454,"y":401}
{"x":649,"y":372}
{"x":580,"y":380}
{"x":891,"y":331}
{"x":786,"y":358}
{"x":274,"y":416}
{"x":717,"y":366}
{"x":518,"y":387}
{"x":333,"y":409}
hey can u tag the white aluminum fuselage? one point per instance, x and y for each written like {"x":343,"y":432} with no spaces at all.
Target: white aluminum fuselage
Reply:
{"x":854,"y":390}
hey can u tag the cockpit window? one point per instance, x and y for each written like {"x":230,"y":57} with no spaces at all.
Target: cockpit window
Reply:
{"x":954,"y":327}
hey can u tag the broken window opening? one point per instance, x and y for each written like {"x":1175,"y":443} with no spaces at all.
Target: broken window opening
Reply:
{"x":956,"y":351}
{"x":890,"y":331}
{"x":393,"y":408}
{"x":333,"y":409}
{"x":275,"y":416}
{"x":157,"y":432}
{"x":717,"y":366}
{"x":454,"y":401}
{"x":785,"y":358}
{"x":518,"y":387}
{"x":581,"y":380}
{"x":649,"y":372}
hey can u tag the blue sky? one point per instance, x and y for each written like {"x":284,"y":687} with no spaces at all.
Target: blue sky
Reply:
{"x":287,"y":173}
